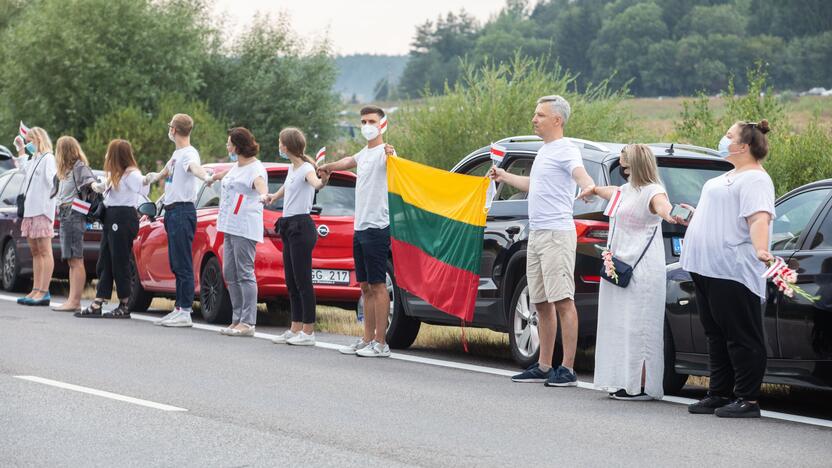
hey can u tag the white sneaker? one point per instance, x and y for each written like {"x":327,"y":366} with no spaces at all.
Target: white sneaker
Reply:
{"x":302,"y":339}
{"x":284,"y":337}
{"x":353,"y":348}
{"x":376,"y":350}
{"x":180,"y":320}
{"x":168,"y":316}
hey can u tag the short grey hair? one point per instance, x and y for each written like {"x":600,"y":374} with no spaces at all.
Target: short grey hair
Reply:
{"x":559,"y":105}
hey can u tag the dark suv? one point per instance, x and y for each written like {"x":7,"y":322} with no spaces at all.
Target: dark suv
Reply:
{"x":503,"y":301}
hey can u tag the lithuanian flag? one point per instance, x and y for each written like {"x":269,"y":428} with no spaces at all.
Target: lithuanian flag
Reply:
{"x":437,"y":221}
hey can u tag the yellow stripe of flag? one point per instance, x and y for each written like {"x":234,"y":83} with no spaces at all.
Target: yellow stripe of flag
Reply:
{"x":431,"y":189}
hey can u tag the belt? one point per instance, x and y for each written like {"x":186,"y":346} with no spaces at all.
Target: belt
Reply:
{"x":181,"y":203}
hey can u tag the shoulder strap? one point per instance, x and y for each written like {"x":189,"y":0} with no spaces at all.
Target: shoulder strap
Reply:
{"x":32,"y":175}
{"x":648,"y":246}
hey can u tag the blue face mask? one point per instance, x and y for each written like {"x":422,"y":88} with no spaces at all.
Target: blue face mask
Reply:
{"x":232,"y":157}
{"x":30,"y":148}
{"x":283,"y":155}
{"x":723,"y":146}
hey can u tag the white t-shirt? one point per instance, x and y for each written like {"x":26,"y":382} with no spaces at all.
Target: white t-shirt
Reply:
{"x":298,"y":194}
{"x":551,"y":186}
{"x":371,"y":189}
{"x":181,"y":185}
{"x":41,"y":171}
{"x":718,"y":240}
{"x":241,"y":212}
{"x":130,"y":190}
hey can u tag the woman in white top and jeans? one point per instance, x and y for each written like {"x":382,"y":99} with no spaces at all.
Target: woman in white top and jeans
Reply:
{"x":629,"y":349}
{"x":122,"y":193}
{"x":726,"y":251}
{"x":39,"y":213}
{"x":244,"y":189}
{"x":299,"y":235}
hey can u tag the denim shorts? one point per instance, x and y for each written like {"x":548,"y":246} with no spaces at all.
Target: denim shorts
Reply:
{"x":73,"y":225}
{"x":371,"y":249}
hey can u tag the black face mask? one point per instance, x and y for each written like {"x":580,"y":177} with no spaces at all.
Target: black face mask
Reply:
{"x":624,"y":175}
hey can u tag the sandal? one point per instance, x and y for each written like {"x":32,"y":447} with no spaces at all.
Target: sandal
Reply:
{"x":91,"y":311}
{"x":247,"y":331}
{"x":120,"y":312}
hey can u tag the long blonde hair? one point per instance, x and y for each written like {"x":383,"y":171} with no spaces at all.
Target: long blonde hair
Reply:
{"x":67,"y":152}
{"x":119,"y":158}
{"x":41,"y":140}
{"x":643,"y":168}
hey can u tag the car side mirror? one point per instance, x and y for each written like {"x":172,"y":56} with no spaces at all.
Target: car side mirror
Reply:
{"x":148,"y":209}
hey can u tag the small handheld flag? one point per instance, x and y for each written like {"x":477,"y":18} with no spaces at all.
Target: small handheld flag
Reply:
{"x":613,"y":205}
{"x":778,"y":266}
{"x":319,"y":158}
{"x":23,"y":129}
{"x":81,"y":206}
{"x":19,"y":142}
{"x":498,"y":153}
{"x":382,"y":125}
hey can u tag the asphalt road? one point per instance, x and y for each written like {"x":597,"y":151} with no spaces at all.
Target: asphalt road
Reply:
{"x":249,"y":402}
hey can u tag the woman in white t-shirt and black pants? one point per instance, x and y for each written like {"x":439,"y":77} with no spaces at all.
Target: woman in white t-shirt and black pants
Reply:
{"x":123,"y":191}
{"x":244,"y":189}
{"x":299,"y":235}
{"x":726,"y":251}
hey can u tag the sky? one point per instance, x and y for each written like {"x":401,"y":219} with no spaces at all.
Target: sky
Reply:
{"x":354,"y":26}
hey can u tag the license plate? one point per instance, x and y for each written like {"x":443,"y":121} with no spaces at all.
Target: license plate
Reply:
{"x":677,"y":245}
{"x":337,"y":277}
{"x":96,"y":226}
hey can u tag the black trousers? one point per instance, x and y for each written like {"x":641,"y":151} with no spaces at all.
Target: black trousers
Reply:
{"x":732,"y":316}
{"x":121,"y":225}
{"x":299,"y":237}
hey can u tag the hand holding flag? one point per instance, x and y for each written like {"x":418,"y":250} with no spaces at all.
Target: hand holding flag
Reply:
{"x":23,"y":129}
{"x":498,"y":153}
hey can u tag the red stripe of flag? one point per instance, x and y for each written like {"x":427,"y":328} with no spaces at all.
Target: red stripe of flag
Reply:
{"x":382,"y":125}
{"x":612,"y":206}
{"x":321,"y":155}
{"x":239,"y":203}
{"x":497,"y":153}
{"x":23,"y":129}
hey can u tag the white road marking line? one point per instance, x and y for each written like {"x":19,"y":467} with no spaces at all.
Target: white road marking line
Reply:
{"x":101,"y":393}
{"x":486,"y":370}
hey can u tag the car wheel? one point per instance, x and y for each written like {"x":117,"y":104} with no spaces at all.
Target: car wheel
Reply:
{"x":673,"y":382}
{"x":213,"y":295}
{"x":139,"y":298}
{"x":524,"y":336}
{"x":11,"y":269}
{"x":401,"y":329}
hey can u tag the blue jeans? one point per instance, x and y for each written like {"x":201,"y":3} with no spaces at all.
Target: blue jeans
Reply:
{"x":180,"y":225}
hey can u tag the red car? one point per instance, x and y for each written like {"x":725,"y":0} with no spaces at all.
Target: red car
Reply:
{"x":332,"y":261}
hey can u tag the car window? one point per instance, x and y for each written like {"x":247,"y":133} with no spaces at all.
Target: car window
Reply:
{"x":337,"y":198}
{"x":12,"y":189}
{"x":595,"y":204}
{"x":519,"y":166}
{"x":209,"y":197}
{"x":793,"y":216}
{"x":683,"y":183}
{"x":275,"y":182}
{"x":479,"y":169}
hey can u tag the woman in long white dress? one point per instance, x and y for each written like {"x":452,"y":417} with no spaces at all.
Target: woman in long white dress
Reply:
{"x":629,"y":356}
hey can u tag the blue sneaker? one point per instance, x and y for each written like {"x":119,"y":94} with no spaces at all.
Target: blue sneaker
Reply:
{"x":533,"y":375}
{"x":561,"y":377}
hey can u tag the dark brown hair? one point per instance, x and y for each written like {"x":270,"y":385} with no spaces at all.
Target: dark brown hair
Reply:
{"x":243,"y":141}
{"x":372,"y":110}
{"x":295,"y":142}
{"x":753,"y":134}
{"x":183,"y":124}
{"x":118,"y":159}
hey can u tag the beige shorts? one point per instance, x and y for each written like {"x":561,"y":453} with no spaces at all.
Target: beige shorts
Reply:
{"x":550,"y":265}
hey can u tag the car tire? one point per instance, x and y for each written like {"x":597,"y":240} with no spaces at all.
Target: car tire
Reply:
{"x":523,"y":336}
{"x":401,"y":329}
{"x":672,"y":382}
{"x":12,"y":281}
{"x":214,"y":299}
{"x":139,"y":298}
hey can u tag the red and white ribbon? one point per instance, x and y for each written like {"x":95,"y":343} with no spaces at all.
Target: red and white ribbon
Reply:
{"x":613,"y":205}
{"x":382,"y":125}
{"x":779,"y":266}
{"x":498,"y":153}
{"x":81,"y":206}
{"x":319,"y":158}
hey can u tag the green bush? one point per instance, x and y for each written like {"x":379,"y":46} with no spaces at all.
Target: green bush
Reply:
{"x":147,"y":132}
{"x":498,"y":101}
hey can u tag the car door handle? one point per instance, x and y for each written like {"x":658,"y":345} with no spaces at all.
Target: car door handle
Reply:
{"x":684,"y":302}
{"x":512,"y":231}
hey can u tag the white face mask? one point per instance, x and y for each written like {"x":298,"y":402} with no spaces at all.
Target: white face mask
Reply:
{"x":370,"y":132}
{"x":170,"y":136}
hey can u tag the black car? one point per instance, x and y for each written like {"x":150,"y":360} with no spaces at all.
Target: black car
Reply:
{"x":503,"y":301}
{"x":16,"y":255}
{"x":798,"y":332}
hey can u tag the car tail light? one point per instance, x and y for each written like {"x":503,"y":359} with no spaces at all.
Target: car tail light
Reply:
{"x":590,"y":279}
{"x":591,"y":232}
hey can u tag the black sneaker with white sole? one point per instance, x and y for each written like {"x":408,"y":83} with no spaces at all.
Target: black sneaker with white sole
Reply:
{"x":624,"y":396}
{"x":739,"y":408}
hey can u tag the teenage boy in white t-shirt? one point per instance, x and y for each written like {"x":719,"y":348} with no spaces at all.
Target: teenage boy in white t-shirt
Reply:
{"x":182,"y":174}
{"x":371,"y":242}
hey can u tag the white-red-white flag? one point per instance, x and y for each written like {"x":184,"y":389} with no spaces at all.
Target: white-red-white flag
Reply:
{"x":613,"y":205}
{"x":498,"y":153}
{"x":19,"y":142}
{"x":319,"y":158}
{"x":382,"y":125}
{"x":776,"y":268}
{"x":23,"y":129}
{"x":81,"y":206}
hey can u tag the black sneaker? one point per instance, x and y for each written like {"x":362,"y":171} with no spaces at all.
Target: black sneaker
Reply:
{"x":624,"y":396}
{"x":708,"y":404}
{"x":532,"y":375}
{"x":739,"y":408}
{"x":562,"y":377}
